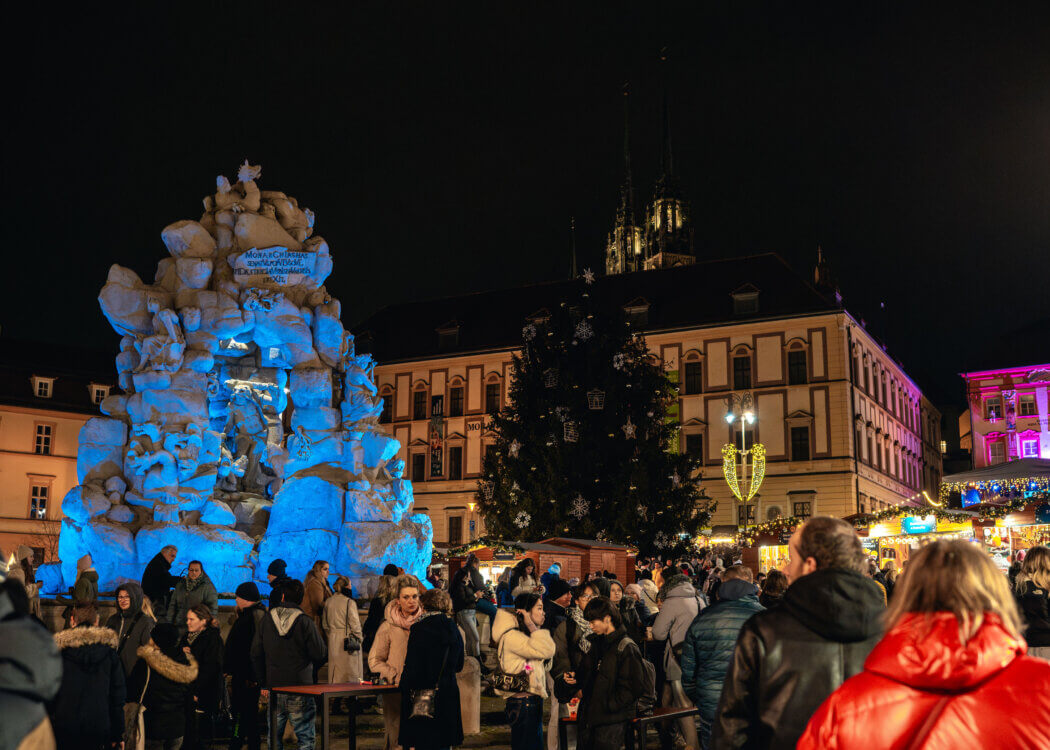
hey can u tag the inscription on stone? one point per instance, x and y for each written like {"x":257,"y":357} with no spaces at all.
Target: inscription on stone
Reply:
{"x":276,"y":265}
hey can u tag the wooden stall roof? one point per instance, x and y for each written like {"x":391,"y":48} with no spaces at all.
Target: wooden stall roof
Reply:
{"x":543,"y":554}
{"x":599,"y":555}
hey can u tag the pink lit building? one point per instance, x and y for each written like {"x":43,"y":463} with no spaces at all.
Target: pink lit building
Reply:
{"x":1008,"y":416}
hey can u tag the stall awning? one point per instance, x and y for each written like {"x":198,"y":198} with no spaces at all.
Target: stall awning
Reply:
{"x":1020,"y":469}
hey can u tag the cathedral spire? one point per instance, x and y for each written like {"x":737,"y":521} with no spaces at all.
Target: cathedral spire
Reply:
{"x":627,"y":193}
{"x":623,"y":250}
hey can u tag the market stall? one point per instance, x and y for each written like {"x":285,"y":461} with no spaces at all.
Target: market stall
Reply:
{"x":496,"y":556}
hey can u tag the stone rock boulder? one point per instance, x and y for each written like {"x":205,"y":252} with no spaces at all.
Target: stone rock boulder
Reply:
{"x":224,"y":552}
{"x":365,"y":547}
{"x":306,"y":503}
{"x":300,"y":549}
{"x":188,"y":239}
{"x":85,"y":502}
{"x":217,"y":513}
{"x":379,"y":503}
{"x":124,"y":301}
{"x":111,"y":546}
{"x":101,"y":452}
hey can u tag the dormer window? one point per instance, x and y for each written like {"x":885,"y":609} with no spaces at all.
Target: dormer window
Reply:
{"x":43,"y":387}
{"x":448,"y":336}
{"x":637,"y":312}
{"x":745,"y":300}
{"x":539,"y":317}
{"x":99,"y":393}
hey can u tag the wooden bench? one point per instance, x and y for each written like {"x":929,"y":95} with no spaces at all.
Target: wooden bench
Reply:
{"x":636,"y":729}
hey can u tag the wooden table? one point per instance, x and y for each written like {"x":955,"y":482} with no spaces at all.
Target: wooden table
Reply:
{"x":350,"y":690}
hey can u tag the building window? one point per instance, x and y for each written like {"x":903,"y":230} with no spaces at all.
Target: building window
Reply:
{"x":99,"y":393}
{"x":996,"y":452}
{"x":419,"y":466}
{"x":491,"y":398}
{"x":694,"y":445}
{"x":993,"y":408}
{"x":419,"y":405}
{"x":944,"y":446}
{"x":455,"y":530}
{"x":42,"y":440}
{"x":742,"y":372}
{"x":1026,"y":405}
{"x":637,"y":314}
{"x":750,"y":514}
{"x":798,"y":373}
{"x":800,"y":444}
{"x":773,"y":512}
{"x":885,"y":393}
{"x":802,"y":509}
{"x":694,"y":377}
{"x":867,"y":378}
{"x":38,"y":496}
{"x":745,"y":303}
{"x":455,"y":462}
{"x":448,"y":338}
{"x":43,"y":387}
{"x":388,"y":409}
{"x":1029,"y":449}
{"x":455,"y":402}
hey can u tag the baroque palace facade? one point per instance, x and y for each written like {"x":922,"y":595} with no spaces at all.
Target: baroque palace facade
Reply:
{"x":842,"y":422}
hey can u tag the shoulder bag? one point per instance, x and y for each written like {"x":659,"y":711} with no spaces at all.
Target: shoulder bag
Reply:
{"x":510,"y":683}
{"x":134,"y":721}
{"x":351,"y":643}
{"x":424,"y":701}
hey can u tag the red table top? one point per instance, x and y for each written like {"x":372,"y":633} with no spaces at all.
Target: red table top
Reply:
{"x":347,"y":688}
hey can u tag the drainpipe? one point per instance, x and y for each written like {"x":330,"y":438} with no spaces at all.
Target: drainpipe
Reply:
{"x":852,"y":411}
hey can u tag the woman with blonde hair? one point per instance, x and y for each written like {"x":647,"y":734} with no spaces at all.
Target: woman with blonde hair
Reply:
{"x":317,"y":592}
{"x":1033,"y":599}
{"x":950,"y":672}
{"x":343,"y":626}
{"x":390,"y":647}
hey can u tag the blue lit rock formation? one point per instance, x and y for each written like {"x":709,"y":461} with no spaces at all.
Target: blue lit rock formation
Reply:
{"x":248,"y":428}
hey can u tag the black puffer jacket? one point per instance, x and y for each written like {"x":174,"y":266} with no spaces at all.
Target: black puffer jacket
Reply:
{"x":789,"y":659}
{"x":237,"y":659}
{"x":1033,"y":602}
{"x":30,"y":672}
{"x":286,"y":647}
{"x":167,"y":692}
{"x":611,"y":678}
{"x":89,"y":707}
{"x":157,"y":582}
{"x":465,"y":583}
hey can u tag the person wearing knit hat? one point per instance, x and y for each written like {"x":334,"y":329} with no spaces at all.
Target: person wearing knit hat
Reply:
{"x":86,"y":587}
{"x":276,"y":575}
{"x":237,"y":662}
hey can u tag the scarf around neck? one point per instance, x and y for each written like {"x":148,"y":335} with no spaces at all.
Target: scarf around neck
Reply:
{"x":583,"y":628}
{"x":399,"y":618}
{"x":192,"y":583}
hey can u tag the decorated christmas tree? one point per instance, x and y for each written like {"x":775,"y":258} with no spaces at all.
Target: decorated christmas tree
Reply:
{"x":586,"y":447}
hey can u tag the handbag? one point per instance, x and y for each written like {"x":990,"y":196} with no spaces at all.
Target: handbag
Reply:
{"x":351,"y":644}
{"x":424,"y":701}
{"x":509,"y":683}
{"x":134,"y":721}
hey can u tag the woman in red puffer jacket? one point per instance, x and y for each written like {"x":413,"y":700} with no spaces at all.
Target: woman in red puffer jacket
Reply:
{"x":950,"y":673}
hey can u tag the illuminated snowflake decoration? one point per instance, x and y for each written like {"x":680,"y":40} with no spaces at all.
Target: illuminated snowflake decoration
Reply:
{"x":580,"y":508}
{"x":522,"y":520}
{"x":588,"y":276}
{"x":528,"y":332}
{"x":619,"y":361}
{"x":584,"y":331}
{"x":629,"y":429}
{"x":661,"y":540}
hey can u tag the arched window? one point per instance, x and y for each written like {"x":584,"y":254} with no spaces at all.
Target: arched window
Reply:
{"x":741,"y":368}
{"x":493,"y":394}
{"x":387,"y":392}
{"x":797,"y":364}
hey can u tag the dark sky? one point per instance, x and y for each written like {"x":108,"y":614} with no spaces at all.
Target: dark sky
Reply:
{"x":444,"y":148}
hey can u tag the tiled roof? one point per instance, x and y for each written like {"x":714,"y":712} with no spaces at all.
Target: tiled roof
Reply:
{"x":679,"y":298}
{"x":73,"y":368}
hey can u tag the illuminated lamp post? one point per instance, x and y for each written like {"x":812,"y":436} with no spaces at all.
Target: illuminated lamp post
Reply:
{"x":743,"y":489}
{"x":470,"y":521}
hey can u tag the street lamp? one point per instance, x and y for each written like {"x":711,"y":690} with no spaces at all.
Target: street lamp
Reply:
{"x":470,"y":520}
{"x":743,"y":407}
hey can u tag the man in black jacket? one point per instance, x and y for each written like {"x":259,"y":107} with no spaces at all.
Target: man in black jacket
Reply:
{"x":466,"y":588}
{"x":286,"y":646}
{"x":88,"y":711}
{"x":609,"y":681}
{"x":276,"y":575}
{"x":244,"y":698}
{"x":157,"y":580}
{"x":789,"y":659}
{"x":556,"y":607}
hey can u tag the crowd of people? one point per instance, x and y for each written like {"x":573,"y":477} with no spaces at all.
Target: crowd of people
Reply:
{"x":828,"y":652}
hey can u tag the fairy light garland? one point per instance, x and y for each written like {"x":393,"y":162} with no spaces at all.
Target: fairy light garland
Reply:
{"x":496,"y":545}
{"x":1016,"y":485}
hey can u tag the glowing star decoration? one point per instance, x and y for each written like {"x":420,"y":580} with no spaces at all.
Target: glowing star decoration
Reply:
{"x":583,"y":331}
{"x":514,"y":448}
{"x":729,"y":461}
{"x":579,"y":508}
{"x":629,"y":428}
{"x":588,"y":276}
{"x":676,"y":480}
{"x":522,"y":520}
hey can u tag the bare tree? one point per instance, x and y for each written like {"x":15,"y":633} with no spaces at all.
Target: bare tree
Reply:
{"x":45,"y":536}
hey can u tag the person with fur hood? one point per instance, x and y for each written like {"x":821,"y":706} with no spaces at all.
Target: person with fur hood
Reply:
{"x":162,"y":679}
{"x":131,"y":624}
{"x":387,"y":657}
{"x":88,"y":711}
{"x":524,"y":647}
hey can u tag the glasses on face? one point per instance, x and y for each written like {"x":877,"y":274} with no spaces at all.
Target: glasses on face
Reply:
{"x":123,"y":598}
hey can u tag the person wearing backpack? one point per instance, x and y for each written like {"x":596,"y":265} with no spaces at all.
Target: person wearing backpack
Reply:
{"x":610,"y":681}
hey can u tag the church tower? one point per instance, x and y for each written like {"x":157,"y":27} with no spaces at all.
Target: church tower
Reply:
{"x":668,"y":228}
{"x":623,"y":248}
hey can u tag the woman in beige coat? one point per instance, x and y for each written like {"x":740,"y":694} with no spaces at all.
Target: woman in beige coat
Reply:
{"x":387,"y":656}
{"x":341,"y":621}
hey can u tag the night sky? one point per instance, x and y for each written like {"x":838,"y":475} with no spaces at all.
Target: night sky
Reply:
{"x":445,"y":149}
